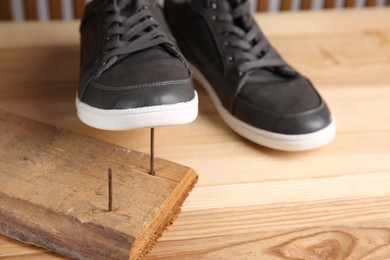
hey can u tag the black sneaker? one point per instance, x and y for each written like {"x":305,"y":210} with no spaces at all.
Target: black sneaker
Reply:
{"x":255,"y":92}
{"x":132,"y":75}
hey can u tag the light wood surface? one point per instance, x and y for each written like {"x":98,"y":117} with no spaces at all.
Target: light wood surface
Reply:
{"x":54,"y":192}
{"x":250,"y":202}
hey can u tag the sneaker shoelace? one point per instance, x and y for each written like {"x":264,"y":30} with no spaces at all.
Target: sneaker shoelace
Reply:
{"x":131,"y":27}
{"x":247,"y":46}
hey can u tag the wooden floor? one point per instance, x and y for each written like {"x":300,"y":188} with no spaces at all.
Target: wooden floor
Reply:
{"x":250,"y":202}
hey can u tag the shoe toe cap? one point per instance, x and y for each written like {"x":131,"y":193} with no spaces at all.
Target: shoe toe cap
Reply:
{"x":291,"y":107}
{"x":304,"y":123}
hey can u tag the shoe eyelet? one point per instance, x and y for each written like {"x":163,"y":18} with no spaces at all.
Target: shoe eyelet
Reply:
{"x":213,"y":17}
{"x":109,"y":60}
{"x":214,"y":6}
{"x":226,"y":43}
{"x":230,"y":58}
{"x":240,"y":73}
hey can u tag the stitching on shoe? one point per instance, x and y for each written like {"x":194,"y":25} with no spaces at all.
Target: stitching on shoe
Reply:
{"x":149,"y":85}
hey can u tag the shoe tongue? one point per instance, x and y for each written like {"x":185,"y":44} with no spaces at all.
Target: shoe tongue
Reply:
{"x":129,"y":8}
{"x":241,"y":22}
{"x":147,"y":55}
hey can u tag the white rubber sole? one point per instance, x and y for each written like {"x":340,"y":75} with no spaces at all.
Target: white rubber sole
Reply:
{"x":272,"y":140}
{"x":135,"y":118}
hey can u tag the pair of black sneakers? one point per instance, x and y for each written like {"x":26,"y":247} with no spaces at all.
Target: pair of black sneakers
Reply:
{"x":133,"y":75}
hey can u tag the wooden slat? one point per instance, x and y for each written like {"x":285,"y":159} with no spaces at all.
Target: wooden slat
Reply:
{"x":53,"y":192}
{"x":31,"y":9}
{"x":78,"y":8}
{"x":5,"y":10}
{"x":329,"y":3}
{"x":262,"y":5}
{"x":349,"y":3}
{"x":55,"y":9}
{"x":371,"y":3}
{"x":286,"y":5}
{"x":305,"y":4}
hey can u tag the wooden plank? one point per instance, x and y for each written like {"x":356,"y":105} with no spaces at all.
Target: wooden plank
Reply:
{"x":31,"y":9}
{"x":78,"y":7}
{"x":262,"y":5}
{"x":330,"y":3}
{"x":349,"y":3}
{"x":305,"y":4}
{"x":286,"y":5}
{"x":287,"y":238}
{"x":53,"y":192}
{"x":371,"y":3}
{"x":5,"y":10}
{"x":55,"y":9}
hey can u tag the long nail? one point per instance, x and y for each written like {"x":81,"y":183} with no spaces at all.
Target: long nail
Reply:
{"x":109,"y":189}
{"x":152,"y":152}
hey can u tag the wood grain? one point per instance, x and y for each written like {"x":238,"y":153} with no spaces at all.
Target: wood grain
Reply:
{"x":250,"y":202}
{"x":53,"y":192}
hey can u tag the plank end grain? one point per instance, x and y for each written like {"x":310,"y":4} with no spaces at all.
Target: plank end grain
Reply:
{"x":53,"y":192}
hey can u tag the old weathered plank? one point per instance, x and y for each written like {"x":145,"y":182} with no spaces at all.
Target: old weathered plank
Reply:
{"x":53,"y":192}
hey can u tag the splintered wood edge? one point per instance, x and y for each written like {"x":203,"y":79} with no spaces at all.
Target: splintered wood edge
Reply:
{"x":147,"y":238}
{"x":142,"y":243}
